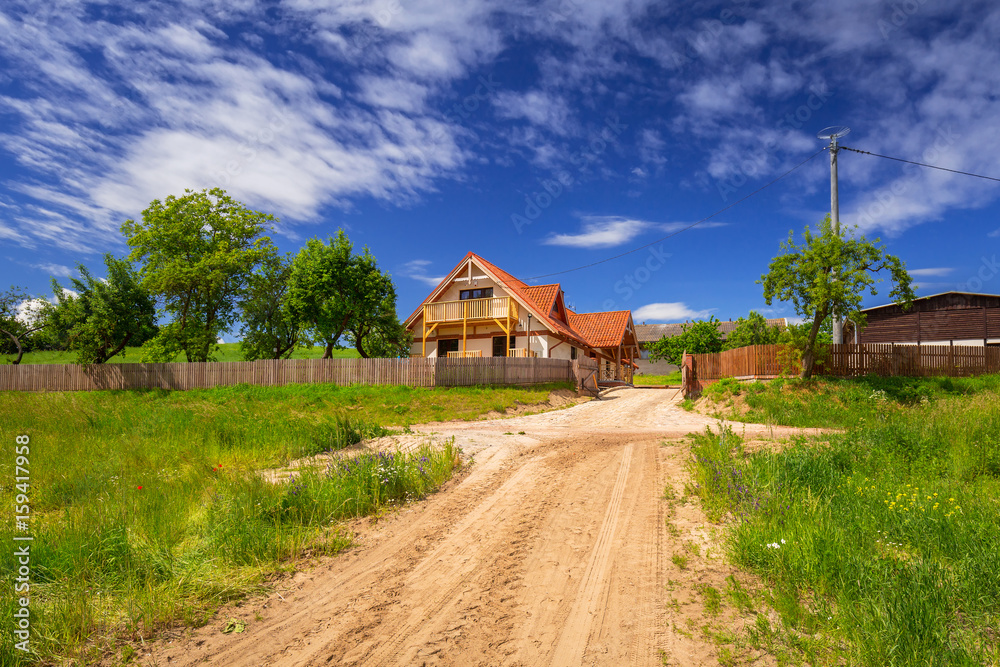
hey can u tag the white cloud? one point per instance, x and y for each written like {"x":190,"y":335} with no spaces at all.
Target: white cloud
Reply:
{"x":55,"y":269}
{"x":995,"y":233}
{"x":417,"y":269}
{"x":932,"y":272}
{"x":601,"y":231}
{"x":539,"y":108}
{"x":677,"y":311}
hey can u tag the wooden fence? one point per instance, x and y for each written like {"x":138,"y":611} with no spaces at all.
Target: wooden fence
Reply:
{"x":882,"y":359}
{"x":416,"y":372}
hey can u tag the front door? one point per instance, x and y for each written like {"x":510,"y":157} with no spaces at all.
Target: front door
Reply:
{"x":446,"y":345}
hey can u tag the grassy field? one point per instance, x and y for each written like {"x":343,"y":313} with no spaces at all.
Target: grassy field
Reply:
{"x":834,"y":402}
{"x":881,"y":547}
{"x":672,"y":378}
{"x":146,"y":509}
{"x":226,"y":352}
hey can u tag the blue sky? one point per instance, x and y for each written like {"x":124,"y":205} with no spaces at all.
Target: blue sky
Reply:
{"x":541,"y":135}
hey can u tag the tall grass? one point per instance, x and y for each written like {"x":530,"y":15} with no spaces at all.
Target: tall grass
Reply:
{"x":147,"y":508}
{"x":882,"y":548}
{"x":843,"y":403}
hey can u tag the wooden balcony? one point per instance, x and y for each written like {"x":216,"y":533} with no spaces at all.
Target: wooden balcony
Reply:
{"x":469,"y":310}
{"x":468,"y":354}
{"x":500,"y":310}
{"x":521,"y":352}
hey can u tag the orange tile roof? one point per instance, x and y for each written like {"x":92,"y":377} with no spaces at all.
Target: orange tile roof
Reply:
{"x":606,"y":329}
{"x":543,"y":296}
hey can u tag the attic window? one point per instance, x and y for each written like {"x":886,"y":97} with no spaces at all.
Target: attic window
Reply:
{"x":479,"y":293}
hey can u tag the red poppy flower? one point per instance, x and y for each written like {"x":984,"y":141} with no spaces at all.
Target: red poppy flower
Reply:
{"x":140,"y":488}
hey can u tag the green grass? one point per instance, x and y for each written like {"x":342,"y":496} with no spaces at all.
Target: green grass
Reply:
{"x":147,"y":510}
{"x":131,"y":355}
{"x":672,"y":378}
{"x":881,"y":547}
{"x":840,"y":403}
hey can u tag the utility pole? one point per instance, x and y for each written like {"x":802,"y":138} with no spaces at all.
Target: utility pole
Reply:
{"x":834,"y":133}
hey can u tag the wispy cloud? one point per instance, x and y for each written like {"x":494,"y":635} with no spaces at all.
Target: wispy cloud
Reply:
{"x":417,"y":270}
{"x":930,"y":273}
{"x":55,"y":269}
{"x":601,"y":231}
{"x":677,"y":311}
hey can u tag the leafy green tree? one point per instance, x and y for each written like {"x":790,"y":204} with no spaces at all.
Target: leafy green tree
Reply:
{"x":105,"y":315}
{"x":320,"y":289}
{"x":753,"y":330}
{"x":336,"y":292}
{"x":198,"y":251}
{"x":830,"y":273}
{"x":270,"y":329}
{"x":699,"y":337}
{"x":20,"y":318}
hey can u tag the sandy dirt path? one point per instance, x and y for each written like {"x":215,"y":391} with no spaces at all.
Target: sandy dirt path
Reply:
{"x":553,"y":549}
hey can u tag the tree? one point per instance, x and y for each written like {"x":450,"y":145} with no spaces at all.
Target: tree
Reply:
{"x":336,"y":292}
{"x":829,"y":273}
{"x":753,"y":330}
{"x":198,"y":252}
{"x":105,"y":315}
{"x":270,"y":329}
{"x":699,"y":337}
{"x":319,"y":289}
{"x":20,"y":317}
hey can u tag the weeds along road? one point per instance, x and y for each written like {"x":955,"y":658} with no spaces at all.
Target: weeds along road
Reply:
{"x":553,"y":549}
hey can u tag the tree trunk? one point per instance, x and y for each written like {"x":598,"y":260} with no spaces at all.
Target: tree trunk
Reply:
{"x":809,"y":355}
{"x":116,"y":350}
{"x":328,"y":352}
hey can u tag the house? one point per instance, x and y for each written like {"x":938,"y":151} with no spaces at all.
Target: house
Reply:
{"x":955,"y":318}
{"x":650,"y":333}
{"x":479,"y":310}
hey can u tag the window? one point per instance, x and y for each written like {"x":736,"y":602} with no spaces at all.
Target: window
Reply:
{"x":498,"y":350}
{"x":572,"y":352}
{"x":478,"y":293}
{"x":447,"y":345}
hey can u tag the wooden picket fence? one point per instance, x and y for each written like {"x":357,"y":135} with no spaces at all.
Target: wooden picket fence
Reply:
{"x":848,"y":360}
{"x":414,"y":372}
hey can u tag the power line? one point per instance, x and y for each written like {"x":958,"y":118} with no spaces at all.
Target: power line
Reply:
{"x":684,"y":229}
{"x":921,"y":164}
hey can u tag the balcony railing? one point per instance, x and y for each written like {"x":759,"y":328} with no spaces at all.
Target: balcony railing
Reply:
{"x":495,"y":308}
{"x":522,"y":352}
{"x":468,"y":354}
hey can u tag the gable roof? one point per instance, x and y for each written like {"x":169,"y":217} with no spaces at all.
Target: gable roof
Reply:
{"x":603,"y":329}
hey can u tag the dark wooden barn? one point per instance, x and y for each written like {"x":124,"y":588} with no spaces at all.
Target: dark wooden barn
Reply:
{"x":951,"y":317}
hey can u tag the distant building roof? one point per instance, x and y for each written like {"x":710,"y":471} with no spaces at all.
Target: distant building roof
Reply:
{"x":935,"y":296}
{"x":648,"y":333}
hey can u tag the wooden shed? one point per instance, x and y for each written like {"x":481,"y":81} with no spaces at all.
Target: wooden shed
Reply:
{"x":950,"y":318}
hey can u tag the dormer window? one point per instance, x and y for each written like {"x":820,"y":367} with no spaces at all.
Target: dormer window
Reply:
{"x":479,"y":293}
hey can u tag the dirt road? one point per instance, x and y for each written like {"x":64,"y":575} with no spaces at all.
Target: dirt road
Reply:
{"x":554,"y":549}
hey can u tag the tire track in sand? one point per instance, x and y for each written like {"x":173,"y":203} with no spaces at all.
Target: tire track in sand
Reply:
{"x":589,"y":599}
